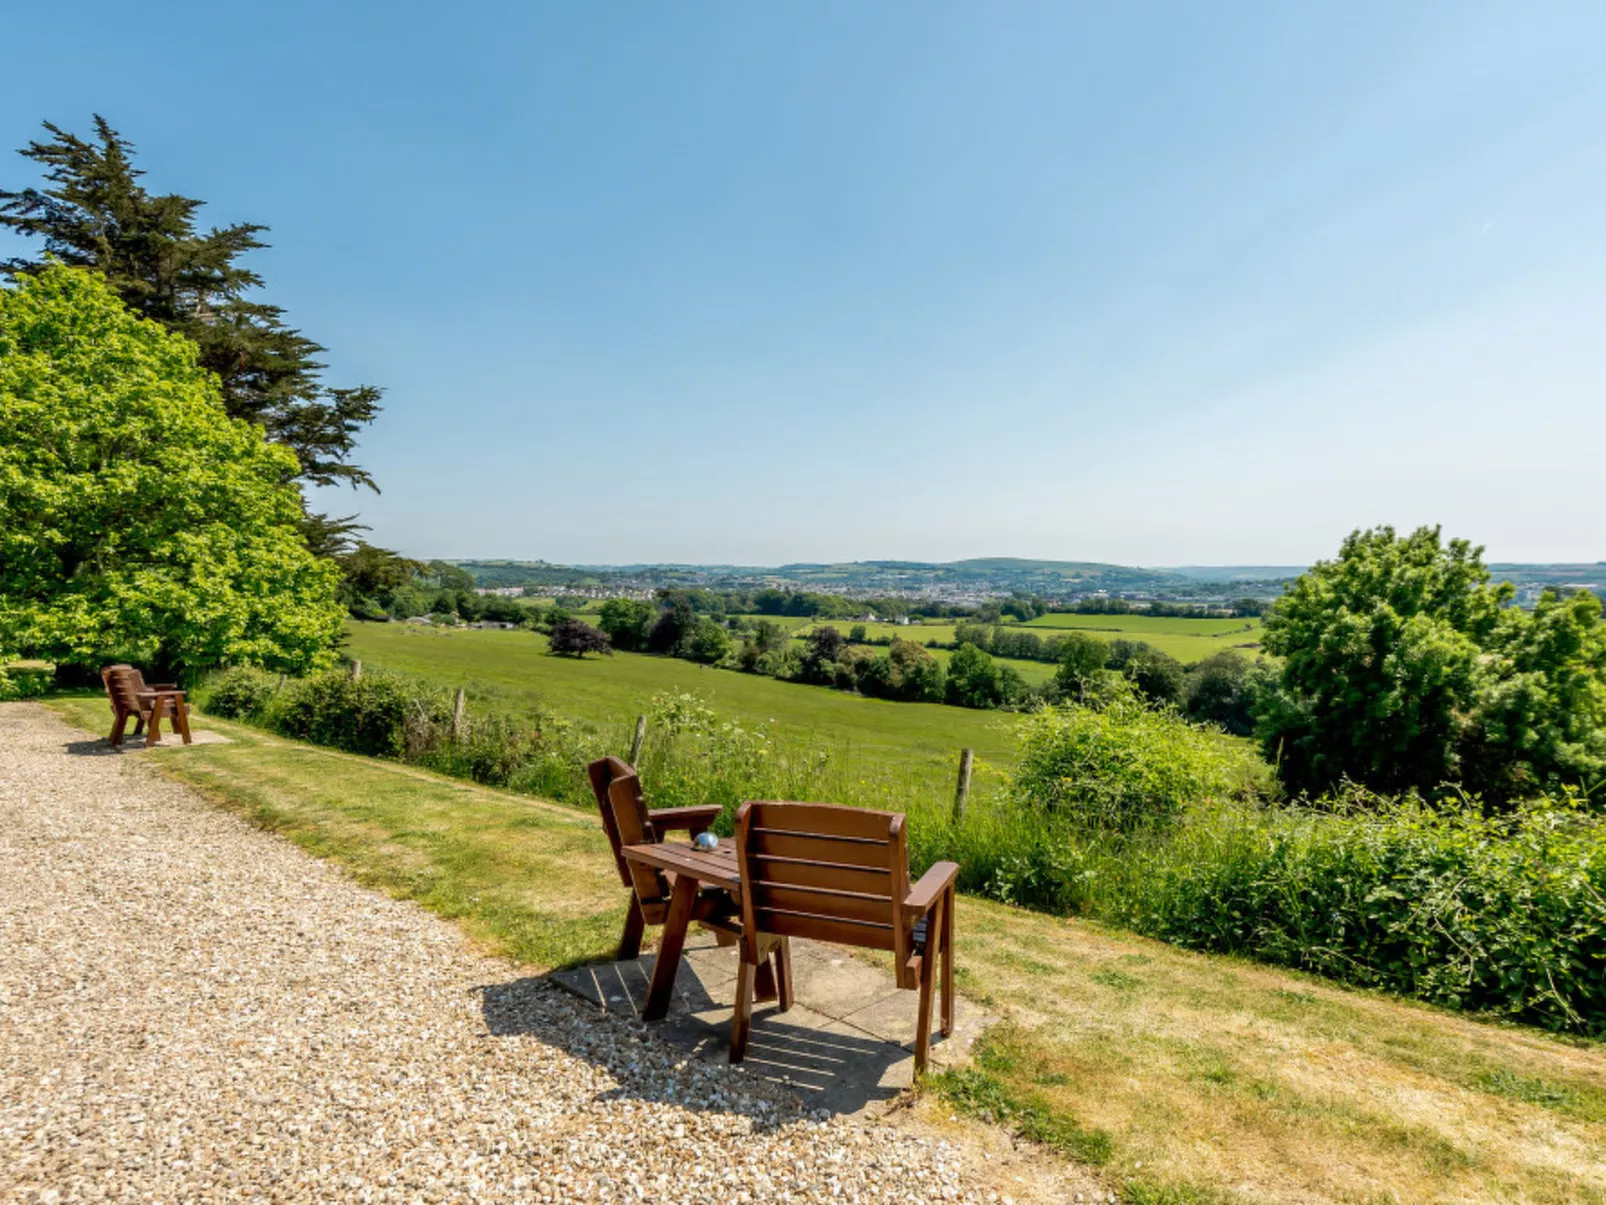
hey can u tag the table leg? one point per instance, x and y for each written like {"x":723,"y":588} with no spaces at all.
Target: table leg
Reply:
{"x":674,"y":939}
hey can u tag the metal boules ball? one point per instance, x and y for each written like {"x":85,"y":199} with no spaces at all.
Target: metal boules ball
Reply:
{"x":706,"y":842}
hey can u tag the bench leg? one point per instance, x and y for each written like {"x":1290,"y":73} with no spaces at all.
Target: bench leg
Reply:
{"x":635,"y":924}
{"x":948,"y":965}
{"x":119,"y":725}
{"x":783,"y":972}
{"x":927,"y":976}
{"x":181,"y":718}
{"x":153,"y":731}
{"x":741,"y":1019}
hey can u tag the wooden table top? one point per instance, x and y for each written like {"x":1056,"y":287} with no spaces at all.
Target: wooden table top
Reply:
{"x":716,"y":867}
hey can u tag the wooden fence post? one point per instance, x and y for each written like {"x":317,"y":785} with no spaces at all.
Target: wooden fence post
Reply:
{"x":967,"y":759}
{"x":458,"y":705}
{"x":356,"y":671}
{"x":641,"y":735}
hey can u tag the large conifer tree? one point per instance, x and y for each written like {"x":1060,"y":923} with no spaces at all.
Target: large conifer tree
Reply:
{"x":94,"y":213}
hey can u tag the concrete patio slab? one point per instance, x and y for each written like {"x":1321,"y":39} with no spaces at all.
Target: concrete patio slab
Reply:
{"x":846,"y":1045}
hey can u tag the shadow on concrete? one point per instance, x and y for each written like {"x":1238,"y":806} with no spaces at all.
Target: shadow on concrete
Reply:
{"x":826,"y":1065}
{"x":844,"y":1047}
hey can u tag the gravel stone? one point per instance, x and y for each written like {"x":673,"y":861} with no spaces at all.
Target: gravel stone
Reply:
{"x":193,"y":1009}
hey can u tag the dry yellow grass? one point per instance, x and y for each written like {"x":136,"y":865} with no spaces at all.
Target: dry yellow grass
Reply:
{"x":1215,"y":1078}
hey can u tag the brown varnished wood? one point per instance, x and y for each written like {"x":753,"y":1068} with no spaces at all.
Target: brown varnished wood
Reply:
{"x":867,"y":880}
{"x":149,"y":706}
{"x":824,"y":928}
{"x":674,"y":938}
{"x":842,"y":875}
{"x":626,"y":820}
{"x":842,"y":905}
{"x":822,"y":847}
{"x":718,"y":868}
{"x":831,"y":819}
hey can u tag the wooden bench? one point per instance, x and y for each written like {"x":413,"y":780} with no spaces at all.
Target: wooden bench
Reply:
{"x":149,"y":705}
{"x":841,"y":874}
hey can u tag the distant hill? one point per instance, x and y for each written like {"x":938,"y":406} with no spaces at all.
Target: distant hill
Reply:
{"x":1236,"y":573}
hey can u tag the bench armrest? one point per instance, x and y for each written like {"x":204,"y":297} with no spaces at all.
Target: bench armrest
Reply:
{"x":923,"y":895}
{"x":692,"y":820}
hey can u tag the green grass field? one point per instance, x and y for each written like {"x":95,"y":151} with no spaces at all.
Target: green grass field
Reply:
{"x":1188,"y":640}
{"x":1034,"y":672}
{"x":514,"y":672}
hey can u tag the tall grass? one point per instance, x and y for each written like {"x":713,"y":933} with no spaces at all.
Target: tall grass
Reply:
{"x":692,"y":755}
{"x":1128,"y":815}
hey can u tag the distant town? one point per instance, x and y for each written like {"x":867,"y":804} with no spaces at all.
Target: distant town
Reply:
{"x":965,"y":583}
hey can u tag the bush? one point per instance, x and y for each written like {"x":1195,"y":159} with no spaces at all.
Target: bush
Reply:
{"x":369,"y":715}
{"x":23,"y":681}
{"x":1504,"y":915}
{"x":244,"y":693}
{"x":1122,"y":767}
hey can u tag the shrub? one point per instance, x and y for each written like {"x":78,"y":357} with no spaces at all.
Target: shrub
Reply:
{"x":243,"y":693}
{"x":368,"y":716}
{"x":23,"y":681}
{"x":1504,"y":915}
{"x":1121,"y":767}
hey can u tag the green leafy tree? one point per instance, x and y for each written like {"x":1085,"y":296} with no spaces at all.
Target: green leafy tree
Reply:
{"x":768,"y":637}
{"x":95,"y":213}
{"x":972,"y":679}
{"x":627,"y":621}
{"x":1540,"y":719}
{"x":370,"y":577}
{"x":142,"y":523}
{"x":1081,"y":670}
{"x":707,"y":642}
{"x":1158,"y":676}
{"x":917,"y":675}
{"x":1403,"y":668}
{"x":1380,"y":650}
{"x":1222,"y":689}
{"x":672,"y":628}
{"x":821,"y":652}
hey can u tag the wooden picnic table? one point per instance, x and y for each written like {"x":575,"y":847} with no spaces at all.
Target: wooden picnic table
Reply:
{"x":693,"y":869}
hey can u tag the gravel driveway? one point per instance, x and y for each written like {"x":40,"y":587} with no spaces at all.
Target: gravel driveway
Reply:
{"x":192,"y":1009}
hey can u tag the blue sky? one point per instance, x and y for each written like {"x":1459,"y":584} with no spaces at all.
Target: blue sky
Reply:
{"x":1153,"y":284}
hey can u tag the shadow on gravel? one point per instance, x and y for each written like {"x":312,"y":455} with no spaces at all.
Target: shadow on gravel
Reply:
{"x":98,"y":748}
{"x":823,"y":1065}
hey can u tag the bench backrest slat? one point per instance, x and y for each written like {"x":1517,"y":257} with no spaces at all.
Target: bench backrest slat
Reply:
{"x":822,"y":871}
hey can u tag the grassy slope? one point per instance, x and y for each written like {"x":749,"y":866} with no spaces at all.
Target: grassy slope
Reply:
{"x":513,"y":669}
{"x":1213,"y":1079}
